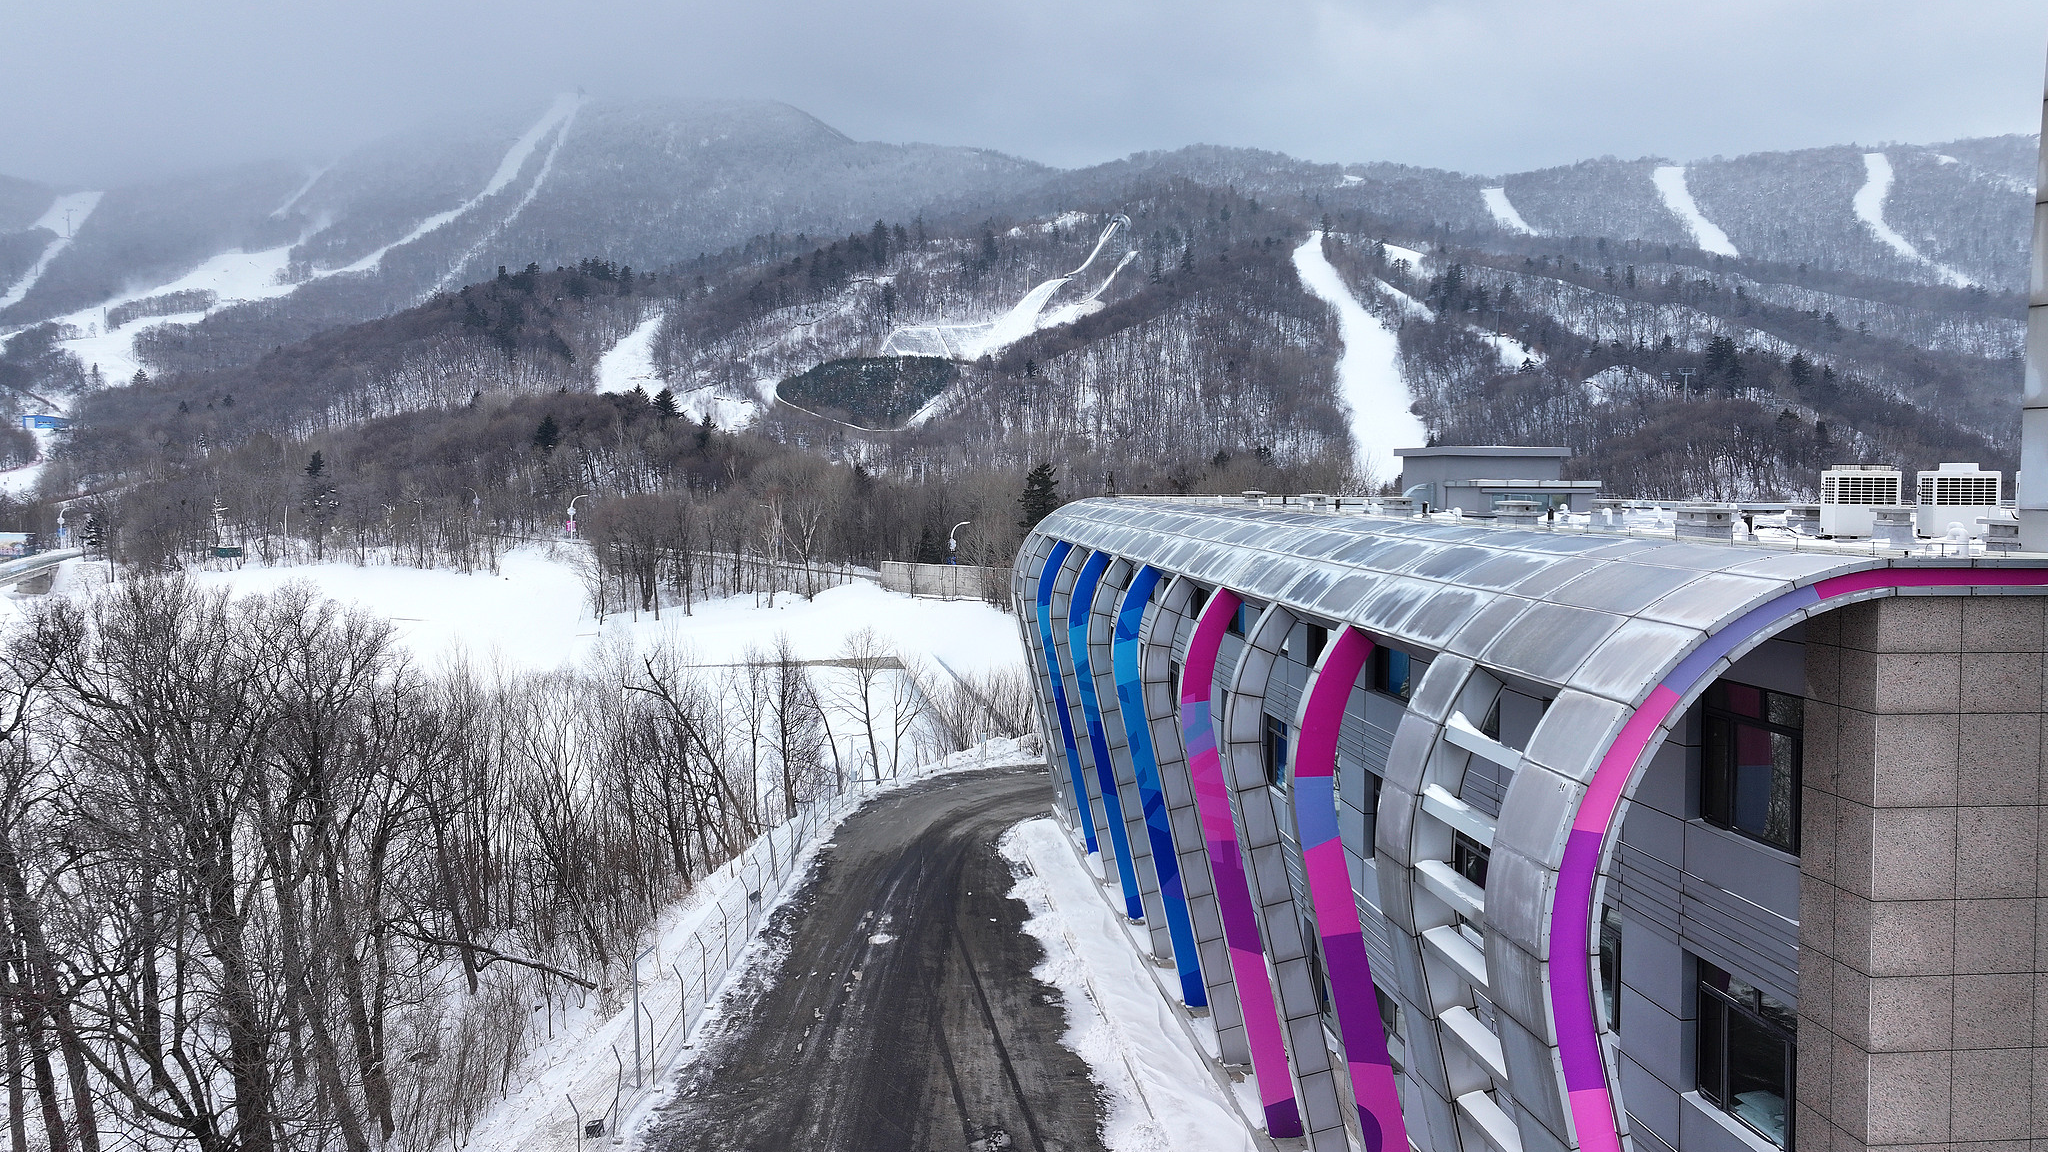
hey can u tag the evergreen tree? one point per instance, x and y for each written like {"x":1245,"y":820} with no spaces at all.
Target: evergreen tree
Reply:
{"x":664,"y":405}
{"x":548,"y":434}
{"x":878,"y":244}
{"x":1041,"y":497}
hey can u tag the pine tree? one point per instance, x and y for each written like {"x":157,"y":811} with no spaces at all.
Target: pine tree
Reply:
{"x":1041,"y":496}
{"x":316,"y":466}
{"x":878,"y":244}
{"x":548,"y":434}
{"x":664,"y":405}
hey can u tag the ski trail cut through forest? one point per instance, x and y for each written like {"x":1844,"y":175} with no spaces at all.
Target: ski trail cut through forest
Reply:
{"x":79,"y":205}
{"x":1504,"y":213}
{"x":1869,"y":203}
{"x":508,"y":169}
{"x":547,"y":165}
{"x":1670,"y":181}
{"x":1368,"y":370}
{"x":629,"y":364}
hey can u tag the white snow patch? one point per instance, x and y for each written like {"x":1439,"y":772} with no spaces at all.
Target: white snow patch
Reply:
{"x":1347,"y":180}
{"x":1670,"y":181}
{"x":629,"y":364}
{"x":1869,"y":204}
{"x":1369,"y":370}
{"x":881,"y":938}
{"x":233,"y":277}
{"x":1504,"y":213}
{"x":1513,"y":353}
{"x":1945,"y":158}
{"x":1163,"y":1094}
{"x":533,"y":615}
{"x":77,"y":206}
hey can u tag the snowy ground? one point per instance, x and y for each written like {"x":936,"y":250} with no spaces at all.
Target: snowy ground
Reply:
{"x":1369,"y":370}
{"x":629,"y":364}
{"x":1163,"y":1092}
{"x":1670,"y":181}
{"x":532,"y":615}
{"x":1504,"y":213}
{"x":1869,"y":205}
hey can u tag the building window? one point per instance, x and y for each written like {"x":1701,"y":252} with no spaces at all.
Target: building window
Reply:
{"x":1749,"y":763}
{"x":1276,"y":752}
{"x":1390,"y":672}
{"x":1610,"y":963}
{"x":1317,"y":976}
{"x":1469,"y":858}
{"x":1746,"y":1047}
{"x":1390,"y":1023}
{"x":1318,"y":639}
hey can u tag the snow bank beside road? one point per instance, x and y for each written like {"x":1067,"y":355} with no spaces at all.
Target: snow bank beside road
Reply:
{"x":1161,"y":1090}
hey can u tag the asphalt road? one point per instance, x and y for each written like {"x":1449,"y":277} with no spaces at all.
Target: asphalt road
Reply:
{"x":903,"y":1016}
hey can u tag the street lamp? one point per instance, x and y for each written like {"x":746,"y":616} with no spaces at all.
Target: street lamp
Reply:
{"x":570,"y":528}
{"x":953,"y":541}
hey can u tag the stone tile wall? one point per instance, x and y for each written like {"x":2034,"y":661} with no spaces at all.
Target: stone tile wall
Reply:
{"x":1923,"y":1008}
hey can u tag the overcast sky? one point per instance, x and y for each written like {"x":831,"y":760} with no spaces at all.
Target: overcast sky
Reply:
{"x":93,"y":91}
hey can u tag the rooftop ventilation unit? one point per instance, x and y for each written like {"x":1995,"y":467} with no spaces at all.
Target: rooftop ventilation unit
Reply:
{"x":1957,"y":494}
{"x":1848,"y":492}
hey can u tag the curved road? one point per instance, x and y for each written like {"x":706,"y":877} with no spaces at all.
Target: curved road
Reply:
{"x":902,"y":1014}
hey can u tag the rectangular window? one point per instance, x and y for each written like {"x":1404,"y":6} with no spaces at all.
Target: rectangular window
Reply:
{"x":1610,"y":963}
{"x":1276,"y":752}
{"x":1749,"y":762}
{"x":1469,"y":859}
{"x":1745,"y":1052}
{"x":1390,"y":1023}
{"x":1318,"y":639}
{"x":1316,"y":975}
{"x":1390,"y":672}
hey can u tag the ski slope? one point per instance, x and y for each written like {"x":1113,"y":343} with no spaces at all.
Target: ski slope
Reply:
{"x":1869,"y":205}
{"x":1504,"y":213}
{"x":629,"y":364}
{"x":556,"y":118}
{"x":1670,"y":181}
{"x":1368,"y":371}
{"x":1028,"y":315}
{"x":65,"y":216}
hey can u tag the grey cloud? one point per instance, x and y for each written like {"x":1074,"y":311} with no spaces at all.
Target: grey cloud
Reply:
{"x":100,"y":90}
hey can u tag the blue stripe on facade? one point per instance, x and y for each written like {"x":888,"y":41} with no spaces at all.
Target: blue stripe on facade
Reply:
{"x":1098,"y":741}
{"x":1130,"y":694}
{"x":1047,"y":577}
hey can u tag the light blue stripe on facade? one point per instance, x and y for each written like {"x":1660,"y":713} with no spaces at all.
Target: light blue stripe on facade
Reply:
{"x":1047,"y":577}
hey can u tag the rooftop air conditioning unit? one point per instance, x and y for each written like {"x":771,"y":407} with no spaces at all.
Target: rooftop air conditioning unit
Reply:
{"x":1957,"y":494}
{"x":1849,"y":492}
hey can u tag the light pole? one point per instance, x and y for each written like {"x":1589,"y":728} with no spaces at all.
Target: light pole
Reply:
{"x":953,"y":541}
{"x":570,"y":528}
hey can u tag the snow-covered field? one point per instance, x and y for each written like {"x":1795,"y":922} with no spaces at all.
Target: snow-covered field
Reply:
{"x":1369,"y":377}
{"x":629,"y":364}
{"x":1162,"y":1090}
{"x":533,"y":616}
{"x":1869,"y":205}
{"x":1670,"y":181}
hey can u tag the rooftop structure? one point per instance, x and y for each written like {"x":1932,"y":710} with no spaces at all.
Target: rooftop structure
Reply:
{"x":1476,"y":478}
{"x":1498,"y":838}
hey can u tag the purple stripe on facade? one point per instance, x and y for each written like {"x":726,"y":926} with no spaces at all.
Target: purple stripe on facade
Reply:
{"x":1247,"y":949}
{"x":1334,"y":902}
{"x":1572,"y":992}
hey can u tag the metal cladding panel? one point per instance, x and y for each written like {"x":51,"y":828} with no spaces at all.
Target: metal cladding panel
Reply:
{"x":1440,"y":686}
{"x":1519,"y":985}
{"x":1537,"y":813}
{"x":1712,"y":600}
{"x":1575,"y":729}
{"x":1623,"y":588}
{"x":1632,"y":659}
{"x":1797,"y":567}
{"x":1486,"y":625}
{"x":1549,"y":642}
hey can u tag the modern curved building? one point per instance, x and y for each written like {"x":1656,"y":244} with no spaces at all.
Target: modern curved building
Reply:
{"x":1496,"y":838}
